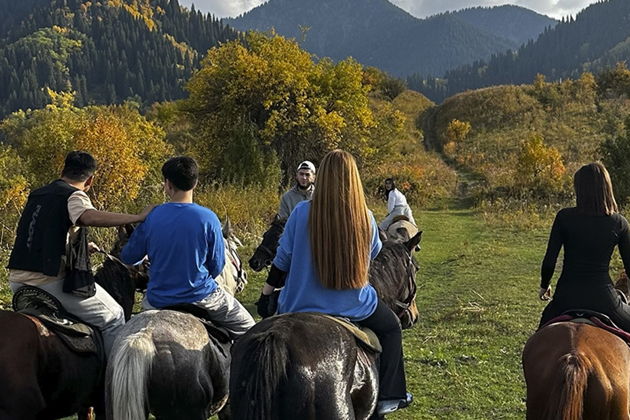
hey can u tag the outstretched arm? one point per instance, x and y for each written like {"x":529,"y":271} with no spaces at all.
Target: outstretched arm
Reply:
{"x":99,"y":218}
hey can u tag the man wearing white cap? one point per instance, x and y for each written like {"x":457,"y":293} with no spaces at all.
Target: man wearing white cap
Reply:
{"x":303,"y":189}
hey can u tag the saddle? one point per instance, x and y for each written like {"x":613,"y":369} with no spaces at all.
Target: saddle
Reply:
{"x":365,"y":337}
{"x":214,"y":331}
{"x":594,"y":318}
{"x":78,"y":336}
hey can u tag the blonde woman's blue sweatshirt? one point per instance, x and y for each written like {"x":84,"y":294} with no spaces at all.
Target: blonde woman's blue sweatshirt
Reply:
{"x":303,"y":292}
{"x":185,"y":246}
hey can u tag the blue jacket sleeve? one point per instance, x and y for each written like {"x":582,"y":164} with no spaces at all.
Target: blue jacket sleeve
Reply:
{"x":285,"y":247}
{"x":215,"y":260}
{"x":136,"y":248}
{"x":376,"y":240}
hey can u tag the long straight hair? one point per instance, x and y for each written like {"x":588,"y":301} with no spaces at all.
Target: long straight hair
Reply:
{"x":339,"y":225}
{"x":594,"y":191}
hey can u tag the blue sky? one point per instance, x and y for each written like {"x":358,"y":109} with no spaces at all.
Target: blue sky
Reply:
{"x":419,"y":8}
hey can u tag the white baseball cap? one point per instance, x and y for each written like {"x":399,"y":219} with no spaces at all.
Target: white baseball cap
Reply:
{"x":307,"y":164}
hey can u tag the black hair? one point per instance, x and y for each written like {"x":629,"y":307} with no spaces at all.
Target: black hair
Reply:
{"x":182,"y":172}
{"x":79,"y":166}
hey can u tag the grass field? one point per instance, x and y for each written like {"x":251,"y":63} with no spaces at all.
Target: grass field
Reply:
{"x":477,"y":296}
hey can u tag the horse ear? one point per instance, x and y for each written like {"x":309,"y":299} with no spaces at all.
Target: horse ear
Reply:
{"x":412,"y":243}
{"x":227,"y":228}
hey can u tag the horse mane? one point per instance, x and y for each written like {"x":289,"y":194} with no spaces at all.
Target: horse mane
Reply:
{"x":259,"y":375}
{"x":387,"y":270}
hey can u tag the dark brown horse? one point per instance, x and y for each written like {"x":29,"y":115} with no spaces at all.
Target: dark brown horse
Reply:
{"x":41,"y":377}
{"x":394,"y":285}
{"x":576,"y":371}
{"x":306,"y":366}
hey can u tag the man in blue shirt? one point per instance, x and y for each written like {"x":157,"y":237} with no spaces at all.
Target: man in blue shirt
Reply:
{"x":184,"y":243}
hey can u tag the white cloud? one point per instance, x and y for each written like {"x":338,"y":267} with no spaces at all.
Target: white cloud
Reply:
{"x":223,"y":8}
{"x":419,"y":8}
{"x":554,"y":8}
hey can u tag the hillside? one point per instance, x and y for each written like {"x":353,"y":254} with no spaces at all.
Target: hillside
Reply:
{"x":106,"y":51}
{"x":570,"y":117}
{"x":517,"y":24}
{"x":564,"y":51}
{"x":378,"y":33}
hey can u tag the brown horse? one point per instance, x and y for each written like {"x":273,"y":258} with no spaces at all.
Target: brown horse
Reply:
{"x":577,"y":371}
{"x":41,"y":377}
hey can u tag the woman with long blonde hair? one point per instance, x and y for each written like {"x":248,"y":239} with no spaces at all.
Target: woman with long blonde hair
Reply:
{"x":323,"y":260}
{"x":589,"y":233}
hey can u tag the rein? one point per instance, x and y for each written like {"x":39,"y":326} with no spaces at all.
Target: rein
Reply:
{"x":411,"y":286}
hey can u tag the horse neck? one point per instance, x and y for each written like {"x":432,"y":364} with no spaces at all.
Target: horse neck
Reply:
{"x":392,"y":273}
{"x":271,"y":238}
{"x":118,"y":282}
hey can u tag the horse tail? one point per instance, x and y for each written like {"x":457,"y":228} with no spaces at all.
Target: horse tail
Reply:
{"x":128,"y":374}
{"x":258,"y":375}
{"x":570,"y":388}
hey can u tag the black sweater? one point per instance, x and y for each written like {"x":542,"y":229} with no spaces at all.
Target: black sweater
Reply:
{"x":588,"y":243}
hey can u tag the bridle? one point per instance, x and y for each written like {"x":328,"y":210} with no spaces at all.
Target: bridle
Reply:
{"x":404,"y":305}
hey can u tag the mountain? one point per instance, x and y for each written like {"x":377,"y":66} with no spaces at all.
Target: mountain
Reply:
{"x":515,"y":23}
{"x":106,"y":51}
{"x":598,"y":37}
{"x":378,"y":33}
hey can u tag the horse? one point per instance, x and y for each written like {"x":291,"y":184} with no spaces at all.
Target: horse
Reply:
{"x":266,"y":251}
{"x":166,"y":363}
{"x":577,"y":371}
{"x":233,"y":278}
{"x":41,"y":377}
{"x":308,"y":366}
{"x":385,"y":272}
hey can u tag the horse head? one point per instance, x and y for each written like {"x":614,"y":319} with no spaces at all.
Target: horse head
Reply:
{"x":233,"y":277}
{"x":393,"y":275}
{"x":119,"y":280}
{"x":266,"y":251}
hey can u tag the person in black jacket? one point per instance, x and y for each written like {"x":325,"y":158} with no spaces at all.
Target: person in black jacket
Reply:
{"x":589,"y":232}
{"x":48,"y":224}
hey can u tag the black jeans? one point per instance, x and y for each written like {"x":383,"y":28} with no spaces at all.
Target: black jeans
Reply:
{"x":607,"y":302}
{"x":391,"y":372}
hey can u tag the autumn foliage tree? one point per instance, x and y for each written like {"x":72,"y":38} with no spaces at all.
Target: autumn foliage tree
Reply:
{"x":129,"y":149}
{"x":539,"y":168}
{"x":456,"y":132}
{"x":262,"y":103}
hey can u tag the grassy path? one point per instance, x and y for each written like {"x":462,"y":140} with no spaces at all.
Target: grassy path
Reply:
{"x":478,"y":304}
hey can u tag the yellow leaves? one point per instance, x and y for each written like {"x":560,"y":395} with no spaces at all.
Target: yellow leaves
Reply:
{"x":539,"y":168}
{"x":129,"y":150}
{"x":282,"y":100}
{"x":60,"y":99}
{"x":457,"y":130}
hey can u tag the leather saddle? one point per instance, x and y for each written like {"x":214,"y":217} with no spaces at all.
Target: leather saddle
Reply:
{"x":219,"y":333}
{"x":78,"y":336}
{"x":365,"y":337}
{"x":594,"y":318}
